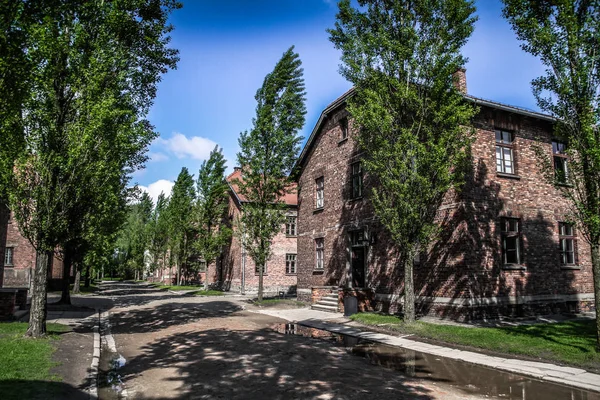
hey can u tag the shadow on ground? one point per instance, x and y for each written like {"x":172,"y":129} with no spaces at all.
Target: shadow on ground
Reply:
{"x":12,"y":389}
{"x":260,"y":364}
{"x":142,"y":320}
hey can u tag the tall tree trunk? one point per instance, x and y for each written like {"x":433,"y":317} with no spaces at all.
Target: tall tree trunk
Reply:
{"x":409,"y":290}
{"x":206,"y":274}
{"x":65,"y":297}
{"x":87,"y":276}
{"x":39,"y":305}
{"x":595,"y":247}
{"x":4,"y":216}
{"x":77,"y":281}
{"x":179,"y":272}
{"x":260,"y":282}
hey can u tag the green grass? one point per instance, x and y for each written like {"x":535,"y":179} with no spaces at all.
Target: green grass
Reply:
{"x":24,"y":358}
{"x":571,"y":342}
{"x":86,"y":290}
{"x":209,"y":293}
{"x":178,"y":287}
{"x":110,"y":279}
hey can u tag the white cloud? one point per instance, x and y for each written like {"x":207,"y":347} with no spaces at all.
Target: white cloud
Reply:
{"x":155,"y":189}
{"x":196,"y":147}
{"x":157,"y":157}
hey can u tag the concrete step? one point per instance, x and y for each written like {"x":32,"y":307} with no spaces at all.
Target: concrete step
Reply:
{"x":320,"y":307}
{"x":328,"y":302}
{"x":330,"y":296}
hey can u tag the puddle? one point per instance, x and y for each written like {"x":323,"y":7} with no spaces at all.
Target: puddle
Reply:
{"x":110,"y":385}
{"x":470,"y":378}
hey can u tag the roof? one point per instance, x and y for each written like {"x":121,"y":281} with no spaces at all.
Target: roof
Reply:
{"x":342,"y":100}
{"x":291,"y":199}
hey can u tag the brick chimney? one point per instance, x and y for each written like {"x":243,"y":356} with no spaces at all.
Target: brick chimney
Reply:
{"x":460,"y":80}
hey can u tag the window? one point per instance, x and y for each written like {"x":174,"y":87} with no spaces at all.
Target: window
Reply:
{"x":559,"y":155}
{"x":290,"y":263}
{"x":8,"y":256}
{"x":320,"y":199}
{"x":511,"y":241}
{"x":344,"y":128}
{"x":567,"y":243}
{"x":504,"y":152}
{"x":320,"y":253}
{"x":290,"y":226}
{"x":257,"y":270}
{"x":357,"y":238}
{"x":357,"y":180}
{"x":202,"y":266}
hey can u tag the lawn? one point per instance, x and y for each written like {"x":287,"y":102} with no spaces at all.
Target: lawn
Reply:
{"x":25,"y":360}
{"x":209,"y":293}
{"x":93,"y":288}
{"x":571,"y":342}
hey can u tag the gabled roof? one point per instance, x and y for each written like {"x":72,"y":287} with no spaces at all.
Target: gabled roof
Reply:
{"x":340,"y":101}
{"x":291,"y":199}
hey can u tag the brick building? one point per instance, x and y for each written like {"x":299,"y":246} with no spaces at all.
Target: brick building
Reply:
{"x":506,"y":244}
{"x":236,"y":270}
{"x":18,"y":261}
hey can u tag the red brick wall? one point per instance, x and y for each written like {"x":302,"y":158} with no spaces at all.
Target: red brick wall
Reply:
{"x":465,"y":262}
{"x":4,"y":215}
{"x":276,"y":279}
{"x":20,"y":272}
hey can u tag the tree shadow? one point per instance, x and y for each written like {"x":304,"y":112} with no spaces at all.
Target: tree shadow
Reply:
{"x":251,"y":364}
{"x":17,"y":389}
{"x":140,"y":320}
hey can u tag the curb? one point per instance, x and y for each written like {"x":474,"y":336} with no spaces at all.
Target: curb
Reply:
{"x":94,"y":368}
{"x":568,"y":376}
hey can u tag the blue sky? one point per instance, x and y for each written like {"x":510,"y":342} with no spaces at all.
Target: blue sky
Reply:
{"x":228,"y":46}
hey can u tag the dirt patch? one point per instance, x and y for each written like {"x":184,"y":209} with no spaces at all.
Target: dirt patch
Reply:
{"x":74,"y":357}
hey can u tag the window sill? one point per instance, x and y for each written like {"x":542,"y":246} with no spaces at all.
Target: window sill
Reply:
{"x":571,"y":267}
{"x":318,"y":271}
{"x":514,"y":267}
{"x":292,"y":274}
{"x":342,"y":141}
{"x":255,"y":274}
{"x":291,"y":236}
{"x":318,"y":210}
{"x":353,"y":199}
{"x":509,"y":176}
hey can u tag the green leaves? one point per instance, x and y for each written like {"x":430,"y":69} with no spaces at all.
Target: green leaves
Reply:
{"x":565,"y":35}
{"x":210,"y":211}
{"x":409,"y":119}
{"x":268,"y":153}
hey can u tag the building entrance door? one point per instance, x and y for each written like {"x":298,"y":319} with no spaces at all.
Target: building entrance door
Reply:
{"x":358,"y":267}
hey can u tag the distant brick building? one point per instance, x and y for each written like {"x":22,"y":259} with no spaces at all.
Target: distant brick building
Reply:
{"x":506,"y":245}
{"x":236,"y":271}
{"x":19,"y":257}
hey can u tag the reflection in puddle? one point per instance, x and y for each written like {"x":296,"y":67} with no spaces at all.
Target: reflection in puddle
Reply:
{"x":470,"y":378}
{"x":110,"y":383}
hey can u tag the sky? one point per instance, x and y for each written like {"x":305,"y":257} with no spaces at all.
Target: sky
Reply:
{"x":226,"y":48}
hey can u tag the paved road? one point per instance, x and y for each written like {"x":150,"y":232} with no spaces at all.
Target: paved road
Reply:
{"x":183,"y":347}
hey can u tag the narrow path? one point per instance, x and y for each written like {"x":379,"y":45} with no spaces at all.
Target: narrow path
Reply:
{"x":217,"y":348}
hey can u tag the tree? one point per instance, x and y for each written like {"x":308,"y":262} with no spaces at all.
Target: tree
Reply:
{"x":94,"y":68}
{"x":565,"y":35}
{"x":410,"y":120}
{"x":159,"y":232}
{"x":211,"y":209}
{"x":267,"y":155}
{"x":180,"y":209}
